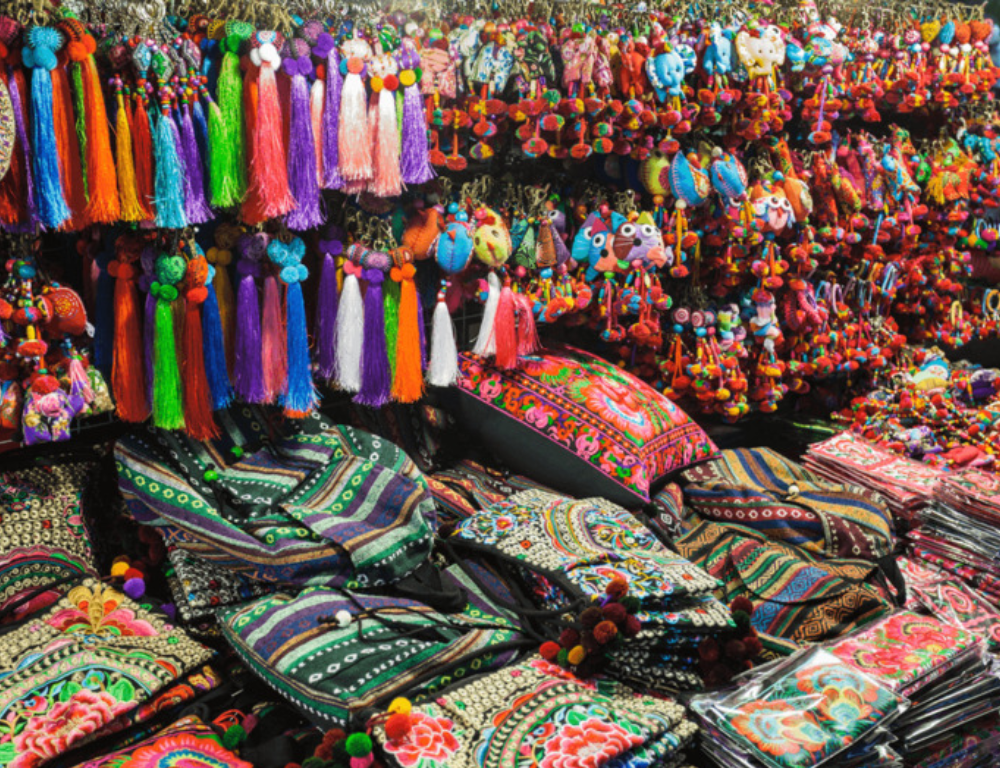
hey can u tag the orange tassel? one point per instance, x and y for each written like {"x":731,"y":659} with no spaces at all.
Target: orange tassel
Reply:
{"x":128,"y":373}
{"x":70,"y":170}
{"x":142,"y":154}
{"x":408,"y":384}
{"x":104,"y":207}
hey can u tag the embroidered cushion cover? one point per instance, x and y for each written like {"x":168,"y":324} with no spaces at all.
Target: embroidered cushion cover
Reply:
{"x":43,"y":537}
{"x":82,"y":668}
{"x":319,"y":506}
{"x":578,"y":424}
{"x":535,"y":713}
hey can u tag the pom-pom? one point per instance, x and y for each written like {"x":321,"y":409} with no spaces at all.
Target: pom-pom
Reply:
{"x":741,"y":604}
{"x":397,"y":726}
{"x":617,"y":588}
{"x":576,"y":655}
{"x":549,"y":650}
{"x":135,"y":588}
{"x":333,"y":737}
{"x":359,"y":745}
{"x":753,"y":646}
{"x":632,"y":626}
{"x":742,"y":619}
{"x":133,"y":573}
{"x":736,"y":650}
{"x":569,"y":637}
{"x":631,"y":603}
{"x":615,"y":612}
{"x":591,"y":617}
{"x":118,"y":569}
{"x":605,"y":632}
{"x":708,"y":650}
{"x":234,"y":736}
{"x":563,"y":658}
{"x":400,"y":705}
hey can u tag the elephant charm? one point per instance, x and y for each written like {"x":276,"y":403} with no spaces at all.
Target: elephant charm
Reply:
{"x":760,"y":51}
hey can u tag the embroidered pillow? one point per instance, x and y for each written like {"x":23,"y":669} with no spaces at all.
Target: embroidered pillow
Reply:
{"x":579,"y":424}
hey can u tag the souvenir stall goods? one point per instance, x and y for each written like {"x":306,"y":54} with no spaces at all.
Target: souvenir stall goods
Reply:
{"x":906,"y":486}
{"x":809,"y":710}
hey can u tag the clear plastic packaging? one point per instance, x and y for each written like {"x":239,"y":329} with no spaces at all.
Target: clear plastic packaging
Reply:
{"x":802,"y":712}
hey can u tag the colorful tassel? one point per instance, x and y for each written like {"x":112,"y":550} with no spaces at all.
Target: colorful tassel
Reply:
{"x":527,"y":331}
{"x":142,"y":153}
{"x":327,"y":300}
{"x":102,"y":185}
{"x":220,"y":259}
{"x":442,"y":370}
{"x":331,"y":123}
{"x":268,"y":169}
{"x":15,"y":193}
{"x":69,"y":150}
{"x":196,"y":210}
{"x":198,"y":419}
{"x":376,"y":375}
{"x":354,"y":137}
{"x":350,"y":323}
{"x":302,"y":178}
{"x":128,"y":379}
{"x":248,"y":380}
{"x":317,"y":92}
{"x":273,"y":336}
{"x":40,"y":55}
{"x":170,"y":212}
{"x":300,"y":395}
{"x":408,"y":381}
{"x":386,"y":178}
{"x":505,"y":329}
{"x":225,"y":127}
{"x":414,"y":160}
{"x":128,"y":192}
{"x":216,"y":369}
{"x":168,"y":399}
{"x":486,"y":342}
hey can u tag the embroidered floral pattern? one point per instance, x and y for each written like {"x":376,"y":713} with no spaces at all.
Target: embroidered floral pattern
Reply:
{"x":429,"y":743}
{"x":588,"y":745}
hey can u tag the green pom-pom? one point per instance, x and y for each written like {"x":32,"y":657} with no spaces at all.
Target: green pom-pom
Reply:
{"x":211,"y":476}
{"x":359,"y":744}
{"x":233,"y":737}
{"x":742,"y":619}
{"x":237,"y":451}
{"x":562,"y":658}
{"x":630,"y":603}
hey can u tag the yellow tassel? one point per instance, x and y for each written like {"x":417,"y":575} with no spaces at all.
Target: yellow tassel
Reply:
{"x":128,"y":192}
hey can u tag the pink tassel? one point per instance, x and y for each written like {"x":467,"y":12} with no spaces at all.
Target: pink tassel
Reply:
{"x":275,"y":358}
{"x":79,"y":380}
{"x":527,"y":332}
{"x":388,"y":179}
{"x":505,"y":330}
{"x":269,"y":169}
{"x":316,"y":96}
{"x":354,"y":134}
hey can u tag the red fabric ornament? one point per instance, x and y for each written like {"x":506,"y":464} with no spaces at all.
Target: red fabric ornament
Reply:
{"x":605,"y":632}
{"x":617,"y":588}
{"x":569,"y":637}
{"x":398,"y":726}
{"x":615,"y":612}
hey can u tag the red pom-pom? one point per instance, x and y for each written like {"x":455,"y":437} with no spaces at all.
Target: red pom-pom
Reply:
{"x":391,"y":82}
{"x":45,"y":384}
{"x":569,"y":637}
{"x":708,"y":650}
{"x":736,"y":650}
{"x":334,"y":736}
{"x":591,"y":617}
{"x":397,"y":727}
{"x":615,"y":612}
{"x":133,"y":573}
{"x":549,"y":650}
{"x":617,"y":588}
{"x":753,"y":646}
{"x":632,"y":626}
{"x":605,"y":632}
{"x":741,"y":604}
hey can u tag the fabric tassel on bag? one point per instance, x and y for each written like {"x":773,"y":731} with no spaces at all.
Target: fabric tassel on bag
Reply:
{"x":198,"y":419}
{"x":350,"y":323}
{"x":128,"y":377}
{"x":376,"y":374}
{"x":354,"y":139}
{"x":248,"y":378}
{"x":40,"y":55}
{"x":300,"y":395}
{"x":414,"y":160}
{"x":331,"y":122}
{"x":268,"y":168}
{"x":302,"y":174}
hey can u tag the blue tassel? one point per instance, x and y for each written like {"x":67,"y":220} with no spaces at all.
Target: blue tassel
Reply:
{"x":301,"y":396}
{"x":169,"y":179}
{"x":52,"y":208}
{"x":215,"y":351}
{"x":104,"y":316}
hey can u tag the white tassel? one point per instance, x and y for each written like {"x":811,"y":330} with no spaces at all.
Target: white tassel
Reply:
{"x":387,"y":180}
{"x":354,"y":140}
{"x":350,"y":335}
{"x":317,"y":95}
{"x":486,"y":341}
{"x":443,"y":368}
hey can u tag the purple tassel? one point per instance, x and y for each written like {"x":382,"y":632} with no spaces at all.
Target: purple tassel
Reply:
{"x":327,"y":300}
{"x":414,"y":161}
{"x":196,"y":210}
{"x":249,"y":379}
{"x":331,"y":123}
{"x":302,"y":160}
{"x":376,"y":374}
{"x":31,"y":224}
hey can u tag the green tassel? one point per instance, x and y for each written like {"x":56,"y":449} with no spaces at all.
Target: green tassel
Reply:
{"x":222,"y":175}
{"x":390,"y":290}
{"x":168,"y":397}
{"x":230,"y":119}
{"x":81,"y":122}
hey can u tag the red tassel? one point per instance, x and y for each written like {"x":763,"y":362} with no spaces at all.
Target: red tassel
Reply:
{"x":128,"y":373}
{"x":70,"y":170}
{"x":505,"y":329}
{"x":269,"y":167}
{"x":13,"y":185}
{"x":198,"y":419}
{"x":527,"y":332}
{"x":275,"y":341}
{"x":142,"y":153}
{"x":252,"y":210}
{"x":101,"y":177}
